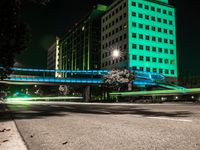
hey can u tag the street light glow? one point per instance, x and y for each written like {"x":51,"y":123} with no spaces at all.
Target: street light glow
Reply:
{"x":116,"y":53}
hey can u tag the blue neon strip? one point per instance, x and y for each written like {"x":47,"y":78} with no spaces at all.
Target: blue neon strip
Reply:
{"x":94,"y":72}
{"x":71,"y":80}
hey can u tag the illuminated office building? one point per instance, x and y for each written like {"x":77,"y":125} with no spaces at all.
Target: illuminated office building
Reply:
{"x":53,"y":55}
{"x":80,"y":48}
{"x":144,"y":32}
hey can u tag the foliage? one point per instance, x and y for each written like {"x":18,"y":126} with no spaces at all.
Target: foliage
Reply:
{"x":118,"y":77}
{"x":14,"y":33}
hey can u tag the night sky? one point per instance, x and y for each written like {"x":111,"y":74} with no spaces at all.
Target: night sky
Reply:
{"x":59,"y":15}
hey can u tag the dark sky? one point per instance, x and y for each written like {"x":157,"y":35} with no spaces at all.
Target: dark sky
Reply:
{"x":59,"y":15}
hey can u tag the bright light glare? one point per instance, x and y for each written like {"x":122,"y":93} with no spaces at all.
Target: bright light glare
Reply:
{"x":116,"y":53}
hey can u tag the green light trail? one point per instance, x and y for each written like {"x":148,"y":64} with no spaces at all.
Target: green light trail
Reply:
{"x":156,"y":92}
{"x":41,"y":98}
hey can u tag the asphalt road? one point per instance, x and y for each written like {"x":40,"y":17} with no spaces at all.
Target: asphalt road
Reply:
{"x":75,"y":126}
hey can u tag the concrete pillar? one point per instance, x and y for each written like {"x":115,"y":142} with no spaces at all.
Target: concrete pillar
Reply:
{"x":87,"y":94}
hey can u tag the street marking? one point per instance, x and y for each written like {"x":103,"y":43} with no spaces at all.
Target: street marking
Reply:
{"x":171,"y":119}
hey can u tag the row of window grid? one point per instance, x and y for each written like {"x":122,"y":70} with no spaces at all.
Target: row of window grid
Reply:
{"x":154,"y":59}
{"x":153,"y":18}
{"x":152,"y":8}
{"x":114,"y":12}
{"x":155,"y":70}
{"x":110,"y":24}
{"x":114,"y":61}
{"x":114,"y":31}
{"x":113,"y":41}
{"x":153,"y":49}
{"x":152,"y":38}
{"x":152,"y":28}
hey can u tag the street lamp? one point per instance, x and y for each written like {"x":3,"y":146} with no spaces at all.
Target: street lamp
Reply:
{"x":116,"y":53}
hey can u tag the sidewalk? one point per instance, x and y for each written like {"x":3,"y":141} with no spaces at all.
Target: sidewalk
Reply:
{"x":10,"y":138}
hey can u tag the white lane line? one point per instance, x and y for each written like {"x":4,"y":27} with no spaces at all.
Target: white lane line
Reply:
{"x":170,"y":119}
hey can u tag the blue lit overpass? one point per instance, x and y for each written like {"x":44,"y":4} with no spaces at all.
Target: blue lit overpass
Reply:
{"x":94,"y":77}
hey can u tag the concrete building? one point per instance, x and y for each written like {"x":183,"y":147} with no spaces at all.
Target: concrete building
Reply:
{"x":80,"y":48}
{"x":52,"y":56}
{"x":144,"y":33}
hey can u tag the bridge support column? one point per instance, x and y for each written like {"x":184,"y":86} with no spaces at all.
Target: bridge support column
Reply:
{"x":87,"y":94}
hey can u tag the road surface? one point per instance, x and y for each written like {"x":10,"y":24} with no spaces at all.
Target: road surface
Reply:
{"x":80,"y":126}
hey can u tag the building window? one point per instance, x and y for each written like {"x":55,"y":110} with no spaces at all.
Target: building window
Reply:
{"x":147,"y":58}
{"x":147,"y":7}
{"x":153,"y":8}
{"x":134,"y":24}
{"x":172,"y":62}
{"x":134,"y":14}
{"x":159,"y":39}
{"x":154,"y":70}
{"x":154,"y":59}
{"x":148,"y":69}
{"x":133,"y":35}
{"x":172,"y":71}
{"x":153,"y":18}
{"x":147,"y":37}
{"x":160,"y":71}
{"x":160,"y":60}
{"x":154,"y":49}
{"x":133,"y":4}
{"x":164,"y":11}
{"x":147,"y":17}
{"x":140,"y":15}
{"x":158,"y":10}
{"x":134,"y":46}
{"x":171,"y":51}
{"x":165,"y":41}
{"x":159,"y":30}
{"x":134,"y":57}
{"x":141,"y":47}
{"x":141,"y":58}
{"x":166,"y":51}
{"x":165,"y":21}
{"x":166,"y":71}
{"x":140,"y":36}
{"x":147,"y":27}
{"x":165,"y":31}
{"x":153,"y":28}
{"x":140,"y":5}
{"x":171,"y":42}
{"x":166,"y":61}
{"x":140,"y":25}
{"x":153,"y":38}
{"x":170,"y":13}
{"x":147,"y":48}
{"x":160,"y":50}
{"x":170,"y":32}
{"x":159,"y":19}
{"x":141,"y":68}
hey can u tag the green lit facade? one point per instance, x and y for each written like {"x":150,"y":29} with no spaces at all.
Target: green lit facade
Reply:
{"x":80,"y":48}
{"x":151,"y":36}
